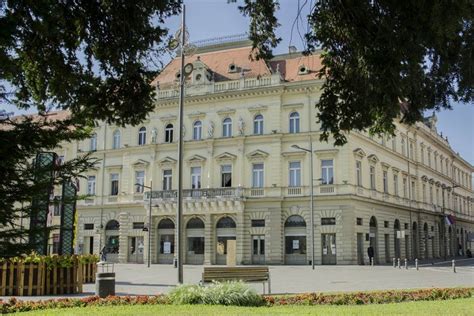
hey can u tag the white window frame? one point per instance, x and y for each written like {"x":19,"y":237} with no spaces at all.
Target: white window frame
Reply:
{"x":227,"y":127}
{"x":258,"y":175}
{"x":258,"y":124}
{"x":139,"y":179}
{"x":91,"y":185}
{"x":167,"y":179}
{"x":142,"y":136}
{"x":395,"y":184}
{"x":294,"y":173}
{"x":169,"y":131}
{"x":385,"y":181}
{"x":359,"y":173}
{"x":195,"y":178}
{"x":294,"y":127}
{"x":116,"y":139}
{"x":223,"y":172}
{"x":327,"y":172}
{"x":372,"y":178}
{"x":114,"y":177}
{"x":197,"y":130}
{"x":93,"y":142}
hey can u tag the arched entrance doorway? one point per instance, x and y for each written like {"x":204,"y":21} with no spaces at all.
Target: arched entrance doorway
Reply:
{"x":112,"y":242}
{"x":397,"y":234}
{"x":295,"y":240}
{"x":195,"y":241}
{"x":414,"y":244}
{"x":226,"y":234}
{"x":373,"y":238}
{"x":425,"y":240}
{"x":166,"y":241}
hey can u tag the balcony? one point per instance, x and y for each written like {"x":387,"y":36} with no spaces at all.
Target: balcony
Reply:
{"x":197,"y":194}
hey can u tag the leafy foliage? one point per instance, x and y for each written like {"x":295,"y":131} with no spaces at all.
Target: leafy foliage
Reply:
{"x":225,"y":293}
{"x":382,"y":58}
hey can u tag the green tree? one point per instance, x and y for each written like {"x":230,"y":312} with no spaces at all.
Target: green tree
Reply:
{"x":382,"y":59}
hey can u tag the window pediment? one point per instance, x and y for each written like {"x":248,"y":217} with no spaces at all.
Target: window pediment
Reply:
{"x":385,"y":165}
{"x":226,"y":111}
{"x":424,"y":178}
{"x":359,"y":152}
{"x":196,"y":159}
{"x":141,"y":163}
{"x":225,"y":156}
{"x":114,"y":167}
{"x":373,"y":158}
{"x":257,"y":108}
{"x":169,"y":117}
{"x":257,"y":155}
{"x":395,"y":170}
{"x":290,"y":154}
{"x":197,"y":115}
{"x":167,"y":161}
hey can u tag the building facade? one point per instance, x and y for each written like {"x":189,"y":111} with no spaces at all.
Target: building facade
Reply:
{"x":244,"y":181}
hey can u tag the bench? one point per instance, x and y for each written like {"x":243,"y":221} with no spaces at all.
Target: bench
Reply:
{"x":245,"y":274}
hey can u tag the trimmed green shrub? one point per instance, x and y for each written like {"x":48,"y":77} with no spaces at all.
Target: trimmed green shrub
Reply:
{"x":186,"y":294}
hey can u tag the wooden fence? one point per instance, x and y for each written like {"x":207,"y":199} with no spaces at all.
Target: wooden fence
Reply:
{"x":33,"y":279}
{"x":88,"y":272}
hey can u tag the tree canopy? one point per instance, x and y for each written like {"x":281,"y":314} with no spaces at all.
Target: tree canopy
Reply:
{"x":382,"y":59}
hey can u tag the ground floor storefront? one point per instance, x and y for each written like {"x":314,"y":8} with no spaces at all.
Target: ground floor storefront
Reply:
{"x":273,"y":232}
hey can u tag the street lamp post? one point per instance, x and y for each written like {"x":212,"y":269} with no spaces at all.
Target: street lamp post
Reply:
{"x":149,"y":219}
{"x":310,"y":150}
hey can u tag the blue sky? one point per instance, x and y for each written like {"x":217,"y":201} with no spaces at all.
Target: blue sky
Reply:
{"x":215,"y":18}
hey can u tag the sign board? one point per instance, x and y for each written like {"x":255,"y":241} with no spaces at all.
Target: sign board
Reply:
{"x":325,"y":251}
{"x":167,"y":247}
{"x":371,"y":235}
{"x":296,"y":244}
{"x":333,"y":249}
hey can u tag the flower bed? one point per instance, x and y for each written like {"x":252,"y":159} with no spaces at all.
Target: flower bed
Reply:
{"x":379,"y":297}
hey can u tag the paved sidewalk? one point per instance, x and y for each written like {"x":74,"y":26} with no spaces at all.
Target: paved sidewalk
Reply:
{"x":137,"y":279}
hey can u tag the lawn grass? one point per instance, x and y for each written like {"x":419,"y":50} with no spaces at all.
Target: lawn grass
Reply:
{"x":431,"y":308}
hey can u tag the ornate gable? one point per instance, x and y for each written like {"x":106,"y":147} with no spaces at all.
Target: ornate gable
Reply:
{"x":225,"y":156}
{"x":257,"y":155}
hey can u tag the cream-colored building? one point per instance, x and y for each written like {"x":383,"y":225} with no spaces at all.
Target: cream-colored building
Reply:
{"x":243,"y":180}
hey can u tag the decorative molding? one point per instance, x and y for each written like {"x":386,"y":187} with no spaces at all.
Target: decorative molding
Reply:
{"x":168,"y":117}
{"x":293,"y":105}
{"x":359,"y":152}
{"x":114,"y":167}
{"x":257,"y":155}
{"x":167,"y":161}
{"x":196,"y":159}
{"x":373,"y":158}
{"x":140,"y":162}
{"x":257,"y":108}
{"x":385,"y":165}
{"x":291,"y":154}
{"x":196,"y":115}
{"x":225,"y":156}
{"x":395,"y":170}
{"x":226,"y":111}
{"x":327,"y":152}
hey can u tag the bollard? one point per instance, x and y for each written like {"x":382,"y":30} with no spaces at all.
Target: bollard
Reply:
{"x":394,"y":262}
{"x":454,"y":266}
{"x":406,"y":263}
{"x":416,"y":264}
{"x":399,"y":263}
{"x":372,"y":261}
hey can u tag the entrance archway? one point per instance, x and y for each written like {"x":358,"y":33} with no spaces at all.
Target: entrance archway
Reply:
{"x":195,"y":241}
{"x":414,"y":244}
{"x":225,"y":231}
{"x":295,"y":240}
{"x":397,"y":234}
{"x":166,"y":231}
{"x":112,"y":241}
{"x":373,"y":237}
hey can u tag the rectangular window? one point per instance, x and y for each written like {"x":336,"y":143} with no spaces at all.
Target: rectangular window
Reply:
{"x":167,"y":179}
{"x":327,"y":172}
{"x":226,"y":176}
{"x":89,"y":226}
{"x":57,"y":206}
{"x":413,"y":190}
{"x":424,"y":192}
{"x":328,"y":221}
{"x":385,"y":224}
{"x":114,"y":183}
{"x":359,"y":221}
{"x":394,"y":144}
{"x":258,"y":223}
{"x":195,"y":177}
{"x":405,"y":189}
{"x":139,"y":181}
{"x":385,"y":182}
{"x":412,"y":151}
{"x":295,"y":174}
{"x":257,"y":175}
{"x":359,"y":173}
{"x":395,"y":184}
{"x":431,"y":194}
{"x":138,"y":225}
{"x":372,"y":177}
{"x":422,"y":154}
{"x":91,"y":185}
{"x":406,"y":226}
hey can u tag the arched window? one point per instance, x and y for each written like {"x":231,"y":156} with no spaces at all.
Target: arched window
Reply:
{"x":169,"y":133}
{"x":195,"y":223}
{"x":227,"y":127}
{"x":197,"y":130}
{"x":112,"y":225}
{"x":295,"y":221}
{"x":373,"y":222}
{"x":258,"y":124}
{"x":294,"y":122}
{"x":166,"y":223}
{"x":226,"y":222}
{"x":116,"y":140}
{"x":93,"y":142}
{"x":142,"y":136}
